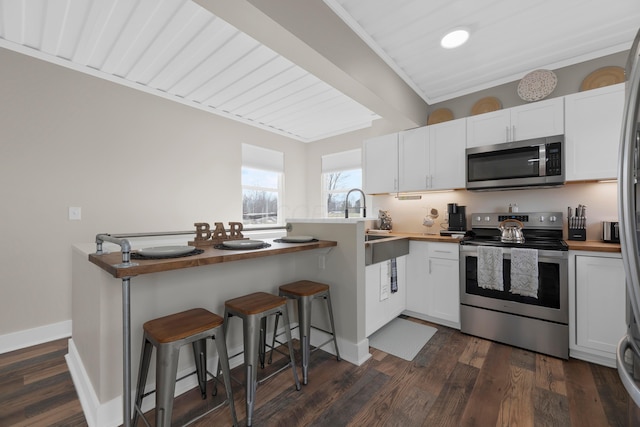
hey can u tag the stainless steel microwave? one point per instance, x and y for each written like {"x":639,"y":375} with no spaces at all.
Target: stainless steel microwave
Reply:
{"x":521,"y":164}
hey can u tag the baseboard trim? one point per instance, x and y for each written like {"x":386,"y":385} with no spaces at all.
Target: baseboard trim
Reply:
{"x":609,"y":361}
{"x":30,"y":337}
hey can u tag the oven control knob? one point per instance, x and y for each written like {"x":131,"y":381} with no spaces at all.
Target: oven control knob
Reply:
{"x":553,"y":219}
{"x":487,"y":218}
{"x":541,"y":218}
{"x":478,"y":218}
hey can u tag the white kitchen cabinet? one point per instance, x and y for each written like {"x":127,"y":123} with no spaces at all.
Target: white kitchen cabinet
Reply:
{"x":535,"y":120}
{"x":447,"y":143}
{"x":593,"y":120}
{"x":428,"y":158}
{"x":598,"y":318}
{"x":432,"y":157}
{"x":433,"y":284}
{"x":381,"y":305}
{"x":414,"y":169}
{"x":381,"y":164}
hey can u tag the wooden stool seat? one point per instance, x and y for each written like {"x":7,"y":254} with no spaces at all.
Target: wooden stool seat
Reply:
{"x":167,"y":335}
{"x":303,"y":288}
{"x":255,"y":303}
{"x":178,"y":326}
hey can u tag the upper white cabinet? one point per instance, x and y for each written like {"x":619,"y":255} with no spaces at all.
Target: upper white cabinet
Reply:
{"x":381,"y":164}
{"x":425,"y":158}
{"x":593,"y":124}
{"x":535,"y":120}
{"x":446,"y":154}
{"x":414,"y":169}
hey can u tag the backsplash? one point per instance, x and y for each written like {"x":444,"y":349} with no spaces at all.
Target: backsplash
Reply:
{"x":599,"y":198}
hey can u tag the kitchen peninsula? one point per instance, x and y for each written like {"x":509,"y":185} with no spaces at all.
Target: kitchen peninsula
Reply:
{"x":160,"y":287}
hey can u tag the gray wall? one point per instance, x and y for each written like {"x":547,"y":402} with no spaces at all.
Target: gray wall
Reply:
{"x":132,"y":161}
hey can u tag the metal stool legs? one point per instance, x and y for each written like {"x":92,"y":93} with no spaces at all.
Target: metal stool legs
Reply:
{"x":304,"y":328}
{"x":253,"y":337}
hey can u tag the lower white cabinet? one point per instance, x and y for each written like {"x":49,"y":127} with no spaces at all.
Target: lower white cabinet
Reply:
{"x":382,"y":305}
{"x":433,"y":282}
{"x":600,"y":307}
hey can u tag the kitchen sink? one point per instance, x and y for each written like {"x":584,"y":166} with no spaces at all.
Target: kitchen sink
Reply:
{"x":382,"y":248}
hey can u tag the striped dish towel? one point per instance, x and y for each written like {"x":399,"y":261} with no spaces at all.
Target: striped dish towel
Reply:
{"x":394,"y":276}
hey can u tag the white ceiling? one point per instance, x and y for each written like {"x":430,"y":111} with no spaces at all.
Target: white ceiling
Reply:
{"x":509,"y":38}
{"x":180,"y":51}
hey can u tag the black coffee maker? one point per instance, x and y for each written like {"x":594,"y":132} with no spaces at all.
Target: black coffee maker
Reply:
{"x":457,"y":217}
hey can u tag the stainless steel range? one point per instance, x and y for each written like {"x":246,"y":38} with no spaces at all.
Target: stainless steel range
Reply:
{"x":516,"y":292}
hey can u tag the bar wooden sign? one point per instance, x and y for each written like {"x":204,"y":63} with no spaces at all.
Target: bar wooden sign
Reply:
{"x":206,"y":237}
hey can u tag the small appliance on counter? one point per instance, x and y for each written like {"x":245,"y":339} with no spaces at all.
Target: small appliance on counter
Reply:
{"x":611,"y":231}
{"x":457,"y":217}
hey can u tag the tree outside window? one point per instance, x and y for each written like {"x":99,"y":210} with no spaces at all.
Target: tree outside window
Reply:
{"x":261,"y":193}
{"x":336,"y":185}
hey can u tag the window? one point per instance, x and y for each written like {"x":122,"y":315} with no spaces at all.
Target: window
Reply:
{"x":262,"y":188}
{"x":340,"y":173}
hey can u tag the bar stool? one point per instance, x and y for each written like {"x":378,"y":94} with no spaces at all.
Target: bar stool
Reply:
{"x":167,"y":334}
{"x":305,"y":291}
{"x":253,"y":309}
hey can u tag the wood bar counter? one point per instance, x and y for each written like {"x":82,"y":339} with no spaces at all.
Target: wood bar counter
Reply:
{"x":111,"y":300}
{"x":110,"y":262}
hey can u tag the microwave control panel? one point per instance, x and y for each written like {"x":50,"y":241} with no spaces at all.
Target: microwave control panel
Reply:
{"x":554,"y":158}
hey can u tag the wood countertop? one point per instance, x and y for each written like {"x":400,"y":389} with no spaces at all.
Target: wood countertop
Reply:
{"x":593,"y":245}
{"x":421,"y":237}
{"x":574,"y":245}
{"x":111,"y":262}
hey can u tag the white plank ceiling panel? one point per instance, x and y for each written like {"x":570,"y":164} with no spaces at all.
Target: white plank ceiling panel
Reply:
{"x":178,"y":50}
{"x":509,"y":38}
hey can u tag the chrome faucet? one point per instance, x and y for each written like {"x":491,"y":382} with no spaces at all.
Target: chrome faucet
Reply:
{"x":364,"y":203}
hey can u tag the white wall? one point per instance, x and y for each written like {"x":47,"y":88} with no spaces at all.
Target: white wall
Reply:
{"x":132,"y":161}
{"x":600,"y":199}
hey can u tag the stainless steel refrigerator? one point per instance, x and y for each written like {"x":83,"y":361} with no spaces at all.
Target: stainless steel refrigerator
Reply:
{"x":628,"y":353}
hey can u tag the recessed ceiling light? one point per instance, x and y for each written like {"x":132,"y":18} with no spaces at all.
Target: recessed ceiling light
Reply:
{"x":455,"y":38}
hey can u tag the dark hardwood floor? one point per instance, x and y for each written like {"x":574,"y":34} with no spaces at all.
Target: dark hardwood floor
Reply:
{"x":456,"y":380}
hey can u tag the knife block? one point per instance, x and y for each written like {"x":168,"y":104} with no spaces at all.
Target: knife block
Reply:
{"x":577,"y":234}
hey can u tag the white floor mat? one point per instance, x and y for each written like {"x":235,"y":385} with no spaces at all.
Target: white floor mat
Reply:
{"x":402,"y":338}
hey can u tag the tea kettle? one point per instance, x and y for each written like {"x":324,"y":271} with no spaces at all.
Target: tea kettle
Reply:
{"x":511,"y":233}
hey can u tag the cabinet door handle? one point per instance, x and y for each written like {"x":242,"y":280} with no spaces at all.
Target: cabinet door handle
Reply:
{"x":443,"y":252}
{"x":395,"y":183}
{"x":506,"y":129}
{"x":426,"y":181}
{"x":429,"y":266}
{"x":513,"y":132}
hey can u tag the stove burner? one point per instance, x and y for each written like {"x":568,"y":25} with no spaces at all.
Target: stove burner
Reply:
{"x":542,"y":230}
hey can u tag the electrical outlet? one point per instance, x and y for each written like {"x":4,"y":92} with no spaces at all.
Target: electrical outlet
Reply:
{"x":75,"y":213}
